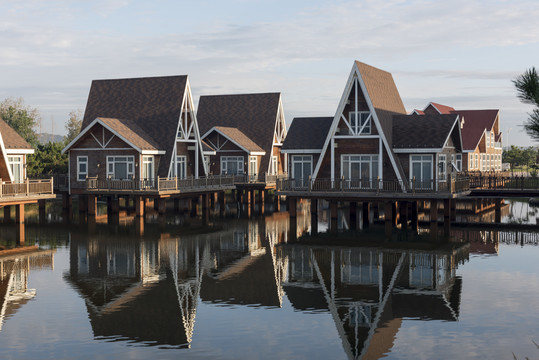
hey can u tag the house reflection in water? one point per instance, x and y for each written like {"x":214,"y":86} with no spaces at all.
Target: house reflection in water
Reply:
{"x":148,"y":290}
{"x":369,"y":291}
{"x":14,"y":271}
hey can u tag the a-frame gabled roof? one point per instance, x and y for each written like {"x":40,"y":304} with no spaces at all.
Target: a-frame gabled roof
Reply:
{"x":127,"y":130}
{"x":255,"y":115}
{"x":238,"y":138}
{"x":475,"y":124}
{"x":442,"y":109}
{"x":12,"y":140}
{"x":383,"y":100}
{"x":153,"y":103}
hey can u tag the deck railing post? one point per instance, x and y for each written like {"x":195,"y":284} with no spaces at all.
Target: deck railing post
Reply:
{"x":52,"y":185}
{"x":158,"y":183}
{"x":378,"y":184}
{"x":413,"y":185}
{"x":310,"y":184}
{"x":1,"y":187}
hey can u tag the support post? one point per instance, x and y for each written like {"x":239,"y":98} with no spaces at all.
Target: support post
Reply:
{"x":92,"y":204}
{"x":19,"y":213}
{"x":314,"y":216}
{"x":42,"y":204}
{"x":292,"y":207}
{"x":161,"y":206}
{"x":334,"y":215}
{"x":388,"y":218}
{"x":498,"y":211}
{"x":366,"y":214}
{"x":7,"y":214}
{"x":139,"y":205}
{"x":353,"y":215}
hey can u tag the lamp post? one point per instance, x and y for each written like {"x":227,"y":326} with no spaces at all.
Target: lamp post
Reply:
{"x":508,"y":144}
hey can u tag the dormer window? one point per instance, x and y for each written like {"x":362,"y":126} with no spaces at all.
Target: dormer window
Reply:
{"x":358,"y":120}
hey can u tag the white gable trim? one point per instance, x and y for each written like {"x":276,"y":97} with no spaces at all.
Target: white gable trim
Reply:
{"x":451,"y":131}
{"x":280,"y":124}
{"x":20,"y":151}
{"x":99,"y":121}
{"x":5,"y":158}
{"x":232,"y":141}
{"x":374,"y":117}
{"x":302,"y":151}
{"x":334,"y":124}
{"x":193,"y":127}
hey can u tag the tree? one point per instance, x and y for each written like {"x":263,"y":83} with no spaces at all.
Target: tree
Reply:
{"x":73,"y":125}
{"x":22,"y":118}
{"x":512,"y":156}
{"x":47,"y":160}
{"x":527,"y":85}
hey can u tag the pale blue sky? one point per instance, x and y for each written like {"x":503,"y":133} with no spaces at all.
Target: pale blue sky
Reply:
{"x":461,"y":53}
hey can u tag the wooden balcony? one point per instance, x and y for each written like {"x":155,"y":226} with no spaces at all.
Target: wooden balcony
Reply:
{"x":373,"y":188}
{"x":161,"y":186}
{"x":26,"y":192}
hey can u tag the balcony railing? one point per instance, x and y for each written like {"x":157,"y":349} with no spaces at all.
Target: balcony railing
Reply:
{"x":160,"y":184}
{"x":374,"y":186}
{"x":27,"y":188}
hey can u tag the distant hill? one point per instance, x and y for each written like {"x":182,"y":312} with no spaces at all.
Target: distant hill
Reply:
{"x":45,"y":138}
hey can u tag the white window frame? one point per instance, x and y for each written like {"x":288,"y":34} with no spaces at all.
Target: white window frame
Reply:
{"x":148,"y":159}
{"x":442,"y":174}
{"x":487,"y":135}
{"x":181,"y":163}
{"x":113,"y":159}
{"x":226,"y":159}
{"x":483,"y":162}
{"x":360,"y":182}
{"x":458,"y":162}
{"x":356,"y":127}
{"x":274,"y":165}
{"x":253,"y":165}
{"x":81,"y":175}
{"x":300,"y":159}
{"x":423,"y":158}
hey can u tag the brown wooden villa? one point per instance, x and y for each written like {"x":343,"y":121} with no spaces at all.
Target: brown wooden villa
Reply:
{"x":138,"y":136}
{"x":247,"y":132}
{"x":15,"y":187}
{"x":373,"y":150}
{"x":481,"y":137}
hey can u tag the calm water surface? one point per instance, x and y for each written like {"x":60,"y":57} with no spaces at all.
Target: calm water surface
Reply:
{"x":238,"y":288}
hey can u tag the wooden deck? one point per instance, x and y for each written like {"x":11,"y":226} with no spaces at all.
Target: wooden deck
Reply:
{"x":371,"y":189}
{"x":26,"y":192}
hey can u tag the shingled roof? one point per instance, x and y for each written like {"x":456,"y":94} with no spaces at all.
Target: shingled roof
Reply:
{"x":307,"y":133}
{"x":130,"y":131}
{"x":12,"y":140}
{"x":239,"y":138}
{"x":422,"y":131}
{"x":475,"y":123}
{"x":253,"y":114}
{"x":442,"y":109}
{"x":383,"y":94}
{"x":154,"y":104}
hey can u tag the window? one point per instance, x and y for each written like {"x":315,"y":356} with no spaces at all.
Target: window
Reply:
{"x":483,"y":162}
{"x":458,"y":162}
{"x":82,"y":168}
{"x":442,"y":167}
{"x":181,"y":166}
{"x":361,"y":170}
{"x":232,"y":165}
{"x":148,"y":167}
{"x":252,"y":165}
{"x":364,"y":119}
{"x":207,"y":161}
{"x":487,"y":135}
{"x":421,"y":170}
{"x":274,"y":169}
{"x":477,"y":161}
{"x":120,"y":167}
{"x":16,"y":165}
{"x":492,"y":139}
{"x":301,"y":166}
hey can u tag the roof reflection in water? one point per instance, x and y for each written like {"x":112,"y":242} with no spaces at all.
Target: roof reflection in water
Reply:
{"x":147,"y":290}
{"x":14,"y":271}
